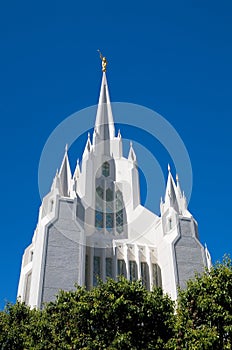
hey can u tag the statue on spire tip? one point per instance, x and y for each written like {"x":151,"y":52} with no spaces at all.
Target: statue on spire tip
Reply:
{"x":104,"y":61}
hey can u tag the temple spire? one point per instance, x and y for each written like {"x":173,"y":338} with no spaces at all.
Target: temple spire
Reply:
{"x":65,"y":174}
{"x":104,"y":125}
{"x":171,"y":198}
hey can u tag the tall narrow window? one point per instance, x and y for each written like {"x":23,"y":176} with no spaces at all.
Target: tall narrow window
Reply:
{"x":109,"y":267}
{"x":109,"y":209}
{"x":156,"y":275}
{"x":96,"y":269}
{"x":121,"y":268}
{"x":99,"y":222}
{"x":169,"y":223}
{"x":133,"y":270}
{"x":51,"y":205}
{"x":99,"y":192}
{"x":106,"y":169}
{"x":145,"y":274}
{"x":119,"y":212}
{"x":27,"y":288}
{"x":109,"y":221}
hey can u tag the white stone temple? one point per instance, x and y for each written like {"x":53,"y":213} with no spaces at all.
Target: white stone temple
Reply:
{"x":92,"y":225}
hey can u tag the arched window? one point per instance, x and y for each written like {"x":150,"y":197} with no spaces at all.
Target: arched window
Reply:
{"x":99,"y":192}
{"x":109,"y":195}
{"x":108,"y":213}
{"x":105,"y":169}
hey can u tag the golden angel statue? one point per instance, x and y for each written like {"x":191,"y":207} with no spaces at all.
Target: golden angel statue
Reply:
{"x":104,"y":61}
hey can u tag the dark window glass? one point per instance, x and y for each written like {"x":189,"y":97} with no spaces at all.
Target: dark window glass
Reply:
{"x":133,"y":270}
{"x":121,"y":268}
{"x":27,"y":288}
{"x":109,"y":267}
{"x":98,"y":219}
{"x":105,"y":169}
{"x":96,"y":269}
{"x":156,"y":275}
{"x":145,"y":274}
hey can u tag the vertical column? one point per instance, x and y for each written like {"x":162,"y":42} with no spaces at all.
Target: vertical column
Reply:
{"x":115,"y":262}
{"x":127,"y":262}
{"x":137,"y":261}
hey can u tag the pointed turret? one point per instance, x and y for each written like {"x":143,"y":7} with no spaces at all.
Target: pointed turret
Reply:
{"x":65,"y":174}
{"x":178,"y":186}
{"x":174,"y":197}
{"x":171,"y":198}
{"x":77,"y":171}
{"x":104,"y":125}
{"x":88,"y":147}
{"x":132,"y":155}
{"x":56,"y":183}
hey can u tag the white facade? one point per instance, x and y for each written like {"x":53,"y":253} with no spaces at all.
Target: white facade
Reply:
{"x":92,"y":224}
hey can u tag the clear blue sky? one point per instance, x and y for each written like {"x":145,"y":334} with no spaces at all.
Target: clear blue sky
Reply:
{"x":171,"y":56}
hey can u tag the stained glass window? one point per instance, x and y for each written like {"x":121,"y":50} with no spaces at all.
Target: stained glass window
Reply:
{"x":105,"y":169}
{"x":109,"y":221}
{"x":99,"y":191}
{"x":109,"y":195}
{"x":99,"y":198}
{"x":119,"y":212}
{"x":98,"y":219}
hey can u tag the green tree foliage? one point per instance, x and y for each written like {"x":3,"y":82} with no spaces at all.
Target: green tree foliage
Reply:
{"x":124,"y":315}
{"x":114,"y":315}
{"x":204,"y":311}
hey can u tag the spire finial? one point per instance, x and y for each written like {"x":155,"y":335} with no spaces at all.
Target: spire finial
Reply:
{"x":177,"y":177}
{"x":104,"y":61}
{"x":169,"y":168}
{"x":66,"y":148}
